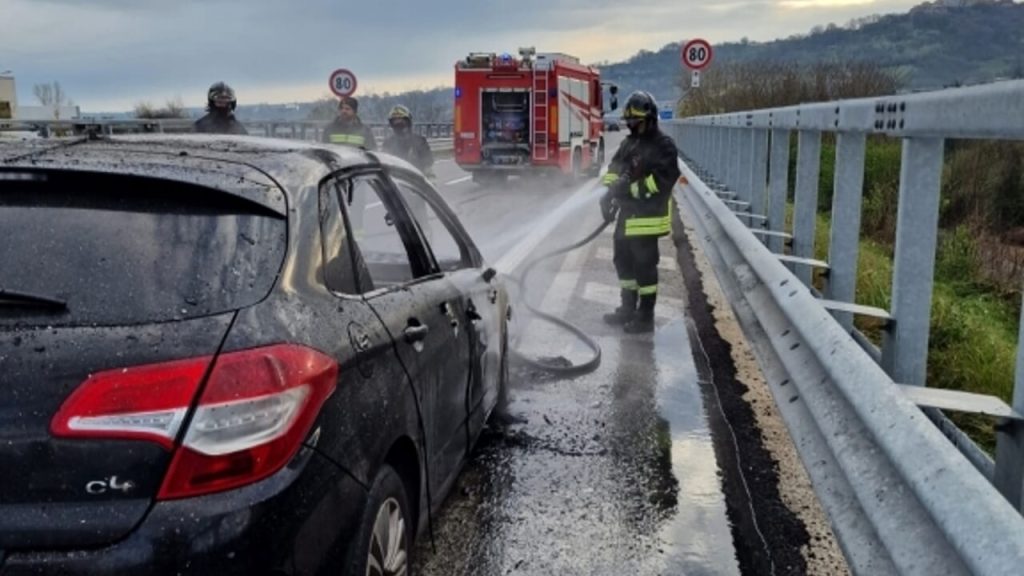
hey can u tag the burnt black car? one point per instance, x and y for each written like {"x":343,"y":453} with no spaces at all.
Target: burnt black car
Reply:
{"x":228,"y":355}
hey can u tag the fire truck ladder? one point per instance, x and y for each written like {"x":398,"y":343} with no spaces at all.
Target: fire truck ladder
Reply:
{"x":540,"y":114}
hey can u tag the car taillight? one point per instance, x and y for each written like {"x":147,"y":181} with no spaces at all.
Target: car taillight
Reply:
{"x":252,"y":418}
{"x":137,"y":403}
{"x":254,"y":413}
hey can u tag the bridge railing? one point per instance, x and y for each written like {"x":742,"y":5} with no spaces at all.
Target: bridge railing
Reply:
{"x":888,"y":466}
{"x":439,"y":134}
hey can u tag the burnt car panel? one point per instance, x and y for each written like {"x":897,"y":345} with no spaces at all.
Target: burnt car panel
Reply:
{"x":411,"y":400}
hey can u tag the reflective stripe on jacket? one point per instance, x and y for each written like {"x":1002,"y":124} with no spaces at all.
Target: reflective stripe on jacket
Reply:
{"x":649,"y":169}
{"x":353,"y":133}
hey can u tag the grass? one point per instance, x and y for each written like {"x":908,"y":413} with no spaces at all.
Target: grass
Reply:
{"x":973,"y":340}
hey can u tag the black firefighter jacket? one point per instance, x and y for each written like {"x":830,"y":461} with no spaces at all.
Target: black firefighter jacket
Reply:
{"x":641,"y":177}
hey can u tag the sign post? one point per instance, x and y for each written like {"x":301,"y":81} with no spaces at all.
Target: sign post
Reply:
{"x":343,"y":83}
{"x":695,"y":79}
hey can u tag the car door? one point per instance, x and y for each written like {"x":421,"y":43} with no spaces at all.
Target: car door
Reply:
{"x":421,"y":310}
{"x":376,"y":391}
{"x":454,"y":256}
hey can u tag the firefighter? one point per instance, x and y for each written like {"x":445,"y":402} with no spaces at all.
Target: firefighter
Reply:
{"x":347,"y":128}
{"x":407,"y":145}
{"x":640,"y":180}
{"x":220,"y":112}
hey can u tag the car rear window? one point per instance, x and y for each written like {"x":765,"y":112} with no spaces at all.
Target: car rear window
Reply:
{"x":101,"y":249}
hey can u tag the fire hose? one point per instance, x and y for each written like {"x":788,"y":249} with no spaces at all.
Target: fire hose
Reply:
{"x":521,"y":281}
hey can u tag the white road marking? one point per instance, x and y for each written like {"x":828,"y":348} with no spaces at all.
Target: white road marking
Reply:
{"x":374,"y":205}
{"x":458,"y":180}
{"x":540,"y":336}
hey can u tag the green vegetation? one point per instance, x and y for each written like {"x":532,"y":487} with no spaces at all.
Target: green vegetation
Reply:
{"x":974,"y":323}
{"x":173,"y":109}
{"x":933,"y":45}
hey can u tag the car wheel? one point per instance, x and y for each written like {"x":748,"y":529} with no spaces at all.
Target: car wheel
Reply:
{"x":383,"y":544}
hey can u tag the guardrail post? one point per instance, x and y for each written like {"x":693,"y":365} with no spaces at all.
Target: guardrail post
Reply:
{"x":731,"y":157}
{"x":1009,"y":471}
{"x":905,"y":345}
{"x":707,"y":147}
{"x":805,"y":211}
{"x":699,"y":148}
{"x":745,"y":152}
{"x":722,"y":155}
{"x":843,"y":246}
{"x":759,"y":174}
{"x":778,"y":188}
{"x":694,"y":138}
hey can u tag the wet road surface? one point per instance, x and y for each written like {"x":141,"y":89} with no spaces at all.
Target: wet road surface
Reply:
{"x":613,"y":472}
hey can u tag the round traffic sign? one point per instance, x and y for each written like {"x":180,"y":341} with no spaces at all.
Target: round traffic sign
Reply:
{"x":697,"y":54}
{"x":343,"y":83}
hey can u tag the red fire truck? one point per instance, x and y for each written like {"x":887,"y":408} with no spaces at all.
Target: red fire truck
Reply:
{"x":527,"y":114}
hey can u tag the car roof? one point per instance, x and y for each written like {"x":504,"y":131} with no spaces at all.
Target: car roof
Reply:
{"x":252,"y":167}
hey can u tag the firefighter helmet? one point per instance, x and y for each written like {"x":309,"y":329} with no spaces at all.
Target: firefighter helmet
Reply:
{"x":399,"y":112}
{"x":221,"y":93}
{"x":640,"y":106}
{"x":400,"y":119}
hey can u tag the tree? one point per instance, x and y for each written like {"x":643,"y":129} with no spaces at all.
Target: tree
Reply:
{"x":737,"y":86}
{"x":174,"y":108}
{"x":323,"y":109}
{"x":52,"y":95}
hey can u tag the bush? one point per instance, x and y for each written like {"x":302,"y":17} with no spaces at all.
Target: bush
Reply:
{"x":173,"y":109}
{"x":737,"y":86}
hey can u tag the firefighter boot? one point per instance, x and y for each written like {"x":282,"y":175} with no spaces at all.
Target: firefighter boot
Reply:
{"x":625,"y":312}
{"x":643,"y":320}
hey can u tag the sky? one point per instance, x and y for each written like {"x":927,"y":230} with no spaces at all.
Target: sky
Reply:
{"x":109,"y":55}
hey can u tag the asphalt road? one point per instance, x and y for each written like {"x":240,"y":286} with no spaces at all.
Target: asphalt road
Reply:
{"x":614,"y":472}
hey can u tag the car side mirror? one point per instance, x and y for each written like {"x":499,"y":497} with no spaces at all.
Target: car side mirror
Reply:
{"x":489,"y":275}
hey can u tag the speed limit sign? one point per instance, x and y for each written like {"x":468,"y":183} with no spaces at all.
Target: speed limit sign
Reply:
{"x":343,"y":83}
{"x":697,"y":54}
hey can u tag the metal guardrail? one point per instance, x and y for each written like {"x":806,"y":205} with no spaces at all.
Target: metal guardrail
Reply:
{"x":439,"y":134}
{"x":888,"y":467}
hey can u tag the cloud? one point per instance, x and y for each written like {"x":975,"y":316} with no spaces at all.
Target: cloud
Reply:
{"x":110,"y":54}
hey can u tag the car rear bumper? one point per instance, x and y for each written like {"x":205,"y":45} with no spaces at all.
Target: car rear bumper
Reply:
{"x":295,"y":522}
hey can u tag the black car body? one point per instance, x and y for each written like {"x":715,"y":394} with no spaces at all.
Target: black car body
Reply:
{"x":223,"y":355}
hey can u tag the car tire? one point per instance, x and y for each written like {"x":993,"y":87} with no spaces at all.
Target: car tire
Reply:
{"x":383,"y":543}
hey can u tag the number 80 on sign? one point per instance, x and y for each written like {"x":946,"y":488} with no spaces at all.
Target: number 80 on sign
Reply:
{"x":697,"y":54}
{"x":342,"y":82}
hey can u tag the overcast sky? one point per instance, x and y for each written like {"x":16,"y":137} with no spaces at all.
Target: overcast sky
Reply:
{"x":111,"y":54}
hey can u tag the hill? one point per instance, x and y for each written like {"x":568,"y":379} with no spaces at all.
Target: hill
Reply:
{"x":935,"y":44}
